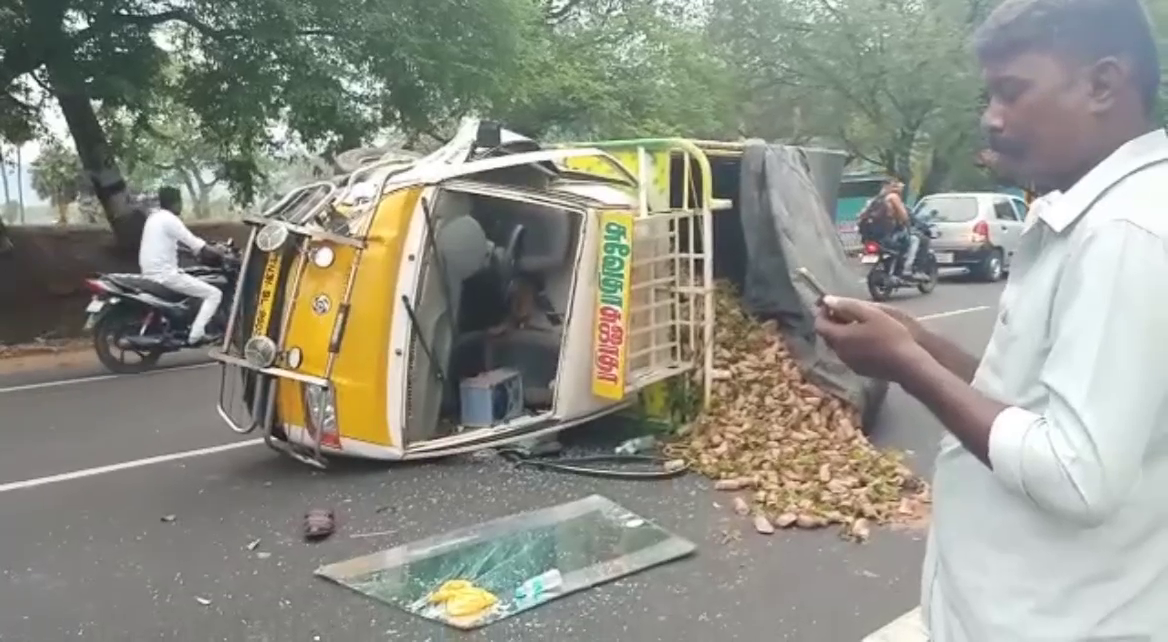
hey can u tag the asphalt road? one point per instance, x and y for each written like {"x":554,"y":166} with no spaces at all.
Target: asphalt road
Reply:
{"x":87,"y":555}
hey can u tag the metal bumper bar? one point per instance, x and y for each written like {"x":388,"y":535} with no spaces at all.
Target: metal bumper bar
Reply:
{"x":274,"y":372}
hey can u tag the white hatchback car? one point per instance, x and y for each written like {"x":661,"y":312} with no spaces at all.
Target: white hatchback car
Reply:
{"x":978,"y":231}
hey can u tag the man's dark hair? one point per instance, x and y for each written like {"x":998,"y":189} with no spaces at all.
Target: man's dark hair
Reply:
{"x":169,"y":197}
{"x":1089,"y":30}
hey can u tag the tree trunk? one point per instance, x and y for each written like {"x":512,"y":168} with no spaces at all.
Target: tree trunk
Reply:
{"x":20,"y":182}
{"x":96,"y":156}
{"x":10,"y":209}
{"x":7,"y":191}
{"x":203,"y":198}
{"x":62,"y":212}
{"x":5,"y":242}
{"x":203,"y":204}
{"x":935,"y":178}
{"x":191,"y":183}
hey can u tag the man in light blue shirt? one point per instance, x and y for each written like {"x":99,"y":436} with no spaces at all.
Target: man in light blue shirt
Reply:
{"x":1051,"y":488}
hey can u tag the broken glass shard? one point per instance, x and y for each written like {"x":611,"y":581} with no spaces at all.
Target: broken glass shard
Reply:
{"x":521,"y":561}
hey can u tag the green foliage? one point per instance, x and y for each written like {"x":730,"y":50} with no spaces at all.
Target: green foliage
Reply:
{"x":57,"y":176}
{"x":617,"y":69}
{"x":205,"y":93}
{"x":894,"y":84}
{"x":164,"y":144}
{"x":330,"y":73}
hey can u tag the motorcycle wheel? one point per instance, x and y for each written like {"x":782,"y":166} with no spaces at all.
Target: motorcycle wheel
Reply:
{"x":880,"y":286}
{"x":106,"y":333}
{"x":928,"y":286}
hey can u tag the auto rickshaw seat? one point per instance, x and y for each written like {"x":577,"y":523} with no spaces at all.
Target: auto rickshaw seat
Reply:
{"x":535,"y":353}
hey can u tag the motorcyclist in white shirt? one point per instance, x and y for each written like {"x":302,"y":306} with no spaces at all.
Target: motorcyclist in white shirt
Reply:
{"x":158,"y":260}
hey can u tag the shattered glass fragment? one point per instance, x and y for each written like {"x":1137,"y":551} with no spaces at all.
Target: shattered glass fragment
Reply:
{"x":581,"y":544}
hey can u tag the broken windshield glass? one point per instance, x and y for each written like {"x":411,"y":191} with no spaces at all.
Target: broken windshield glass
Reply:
{"x":475,"y":576}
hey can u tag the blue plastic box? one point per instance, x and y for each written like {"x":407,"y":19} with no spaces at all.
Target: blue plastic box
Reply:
{"x":491,"y":398}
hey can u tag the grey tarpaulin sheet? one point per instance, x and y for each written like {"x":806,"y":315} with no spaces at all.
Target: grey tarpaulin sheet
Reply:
{"x":786,"y":226}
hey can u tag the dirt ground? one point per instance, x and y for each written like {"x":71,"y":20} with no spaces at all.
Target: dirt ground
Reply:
{"x":46,"y":355}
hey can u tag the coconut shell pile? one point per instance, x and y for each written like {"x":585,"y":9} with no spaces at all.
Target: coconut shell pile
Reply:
{"x":791,"y":454}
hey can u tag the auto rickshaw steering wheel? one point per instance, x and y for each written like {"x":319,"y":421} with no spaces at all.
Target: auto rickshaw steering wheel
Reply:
{"x":514,"y":278}
{"x":513,"y":254}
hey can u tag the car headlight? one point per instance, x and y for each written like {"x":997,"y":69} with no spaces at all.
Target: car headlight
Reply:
{"x":321,"y":404}
{"x":323,"y":256}
{"x":260,"y":352}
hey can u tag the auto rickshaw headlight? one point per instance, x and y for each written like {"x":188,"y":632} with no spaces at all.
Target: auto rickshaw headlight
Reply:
{"x":321,"y":404}
{"x":260,"y":352}
{"x":323,"y":256}
{"x":271,"y":237}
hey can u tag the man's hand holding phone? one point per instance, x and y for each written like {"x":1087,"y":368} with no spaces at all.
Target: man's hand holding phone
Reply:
{"x":807,"y":277}
{"x":871,"y":340}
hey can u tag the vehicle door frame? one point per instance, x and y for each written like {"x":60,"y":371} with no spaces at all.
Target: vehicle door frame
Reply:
{"x":1021,"y":210}
{"x":461,"y":179}
{"x":1007,"y":231}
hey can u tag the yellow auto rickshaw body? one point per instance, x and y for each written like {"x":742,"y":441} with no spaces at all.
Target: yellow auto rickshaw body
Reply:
{"x":359,"y":326}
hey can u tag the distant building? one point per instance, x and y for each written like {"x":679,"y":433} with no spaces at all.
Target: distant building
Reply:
{"x":856,"y":189}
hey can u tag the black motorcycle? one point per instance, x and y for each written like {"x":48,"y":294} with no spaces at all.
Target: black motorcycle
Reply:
{"x":136,"y":320}
{"x":884,"y":276}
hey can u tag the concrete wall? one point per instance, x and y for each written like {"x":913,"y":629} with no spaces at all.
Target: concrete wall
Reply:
{"x":41,"y":287}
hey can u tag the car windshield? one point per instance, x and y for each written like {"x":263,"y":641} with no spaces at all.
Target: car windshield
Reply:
{"x":947,"y":209}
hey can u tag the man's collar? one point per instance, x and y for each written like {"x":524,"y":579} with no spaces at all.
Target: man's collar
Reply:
{"x":1067,"y":208}
{"x":1040,"y":207}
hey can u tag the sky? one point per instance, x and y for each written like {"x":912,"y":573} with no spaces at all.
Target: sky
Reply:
{"x":30,"y":196}
{"x":29,"y":152}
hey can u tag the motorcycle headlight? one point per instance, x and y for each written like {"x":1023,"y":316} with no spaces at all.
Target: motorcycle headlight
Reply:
{"x":321,"y":404}
{"x":323,"y":256}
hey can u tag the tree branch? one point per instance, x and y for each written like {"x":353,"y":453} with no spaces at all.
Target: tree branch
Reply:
{"x":17,"y":62}
{"x":151,"y":20}
{"x":166,"y":167}
{"x":837,"y":84}
{"x":555,"y":14}
{"x":189,"y":19}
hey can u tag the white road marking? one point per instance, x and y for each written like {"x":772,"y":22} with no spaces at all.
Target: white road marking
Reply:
{"x":189,"y":454}
{"x":96,"y":378}
{"x":126,"y":465}
{"x":906,"y":628}
{"x":952,"y":313}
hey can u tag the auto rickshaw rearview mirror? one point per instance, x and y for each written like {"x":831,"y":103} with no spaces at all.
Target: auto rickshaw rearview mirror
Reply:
{"x":490,"y":135}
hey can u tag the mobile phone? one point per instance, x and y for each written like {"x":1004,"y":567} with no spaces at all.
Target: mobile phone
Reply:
{"x":812,"y":282}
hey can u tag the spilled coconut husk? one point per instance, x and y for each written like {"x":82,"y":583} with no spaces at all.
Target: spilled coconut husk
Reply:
{"x":793,"y":454}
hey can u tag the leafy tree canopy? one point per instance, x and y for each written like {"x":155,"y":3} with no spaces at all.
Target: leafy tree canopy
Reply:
{"x":209,"y":92}
{"x":327,"y":72}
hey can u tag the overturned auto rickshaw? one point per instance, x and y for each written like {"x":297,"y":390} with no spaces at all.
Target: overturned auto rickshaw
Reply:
{"x":493,"y":291}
